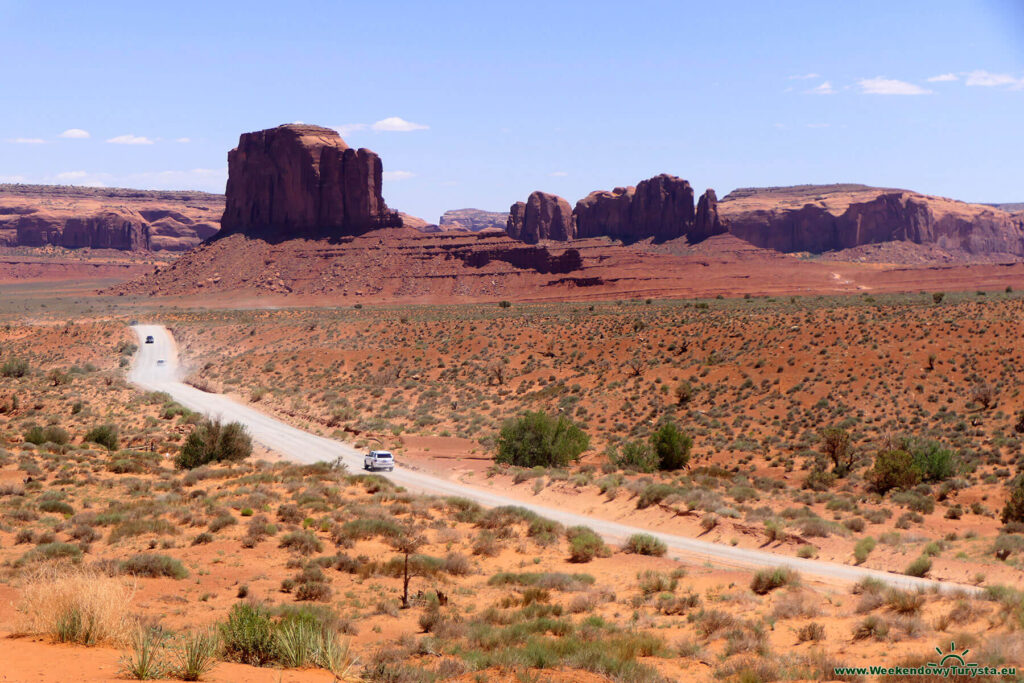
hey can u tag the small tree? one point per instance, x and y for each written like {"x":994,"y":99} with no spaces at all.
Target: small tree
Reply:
{"x":212,"y":441}
{"x":671,"y":446}
{"x":536,"y":439}
{"x":835,"y":444}
{"x":984,"y":395}
{"x":407,"y":544}
{"x":937,"y":297}
{"x":684,"y":393}
{"x":894,"y":469}
{"x":1014,"y":508}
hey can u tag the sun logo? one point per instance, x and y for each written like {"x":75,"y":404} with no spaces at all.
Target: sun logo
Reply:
{"x":952,"y":658}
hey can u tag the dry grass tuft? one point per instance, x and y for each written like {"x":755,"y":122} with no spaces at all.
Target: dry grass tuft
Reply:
{"x":77,"y":605}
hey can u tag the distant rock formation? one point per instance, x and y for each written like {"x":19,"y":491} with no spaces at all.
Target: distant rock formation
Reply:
{"x":302,"y":180}
{"x":542,"y":217}
{"x":659,"y":208}
{"x":106,"y":218}
{"x":409,"y":221}
{"x":105,"y":229}
{"x":821,"y":218}
{"x":707,"y":221}
{"x":472,"y":220}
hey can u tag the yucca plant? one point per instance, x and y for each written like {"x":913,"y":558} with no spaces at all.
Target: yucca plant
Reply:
{"x":196,"y":655}
{"x":145,"y":661}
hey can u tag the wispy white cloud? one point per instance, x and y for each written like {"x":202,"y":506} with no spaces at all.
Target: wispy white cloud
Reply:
{"x":804,"y":77}
{"x":987,"y":79}
{"x":398,"y":175}
{"x":943,"y":78}
{"x":890,"y":86}
{"x":183,"y":140}
{"x":83,"y":178}
{"x":27,"y":141}
{"x":823,"y":89}
{"x":558,"y":174}
{"x":75,"y":134}
{"x":130,"y":140}
{"x":398,"y":125}
{"x":12,"y":179}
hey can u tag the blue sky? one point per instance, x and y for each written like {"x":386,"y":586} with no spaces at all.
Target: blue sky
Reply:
{"x":476,"y":104}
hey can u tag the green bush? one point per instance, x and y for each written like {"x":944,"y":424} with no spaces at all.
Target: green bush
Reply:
{"x":248,"y":635}
{"x":863,"y":548}
{"x":894,"y":469}
{"x":767,"y":580}
{"x":14,"y":367}
{"x":645,"y":544}
{"x":104,"y":435}
{"x":933,"y":462}
{"x":919,"y":567}
{"x":585,"y":544}
{"x":212,"y":441}
{"x":154,"y":566}
{"x":634,"y":455}
{"x":671,"y":446}
{"x":537,"y":439}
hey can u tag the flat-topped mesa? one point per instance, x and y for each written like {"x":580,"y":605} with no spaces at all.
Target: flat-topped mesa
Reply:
{"x":303,"y":180}
{"x":821,"y":218}
{"x":542,"y":216}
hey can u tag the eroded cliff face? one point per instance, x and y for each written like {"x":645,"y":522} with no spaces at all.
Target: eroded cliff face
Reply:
{"x":472,"y":220}
{"x":106,"y":218}
{"x":302,"y":180}
{"x":821,"y":218}
{"x":542,"y":216}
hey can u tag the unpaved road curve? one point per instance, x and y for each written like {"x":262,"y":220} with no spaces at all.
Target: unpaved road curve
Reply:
{"x":297,"y":445}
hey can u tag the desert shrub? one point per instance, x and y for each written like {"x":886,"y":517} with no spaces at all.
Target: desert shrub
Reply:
{"x":146,"y":660}
{"x":634,"y":455}
{"x":14,"y":367}
{"x":919,"y":567}
{"x":248,"y":635}
{"x":196,"y":655}
{"x":304,"y":542}
{"x":654,"y":493}
{"x":212,"y":441}
{"x":819,"y":479}
{"x":154,"y":566}
{"x":651,"y":581}
{"x":645,"y":544}
{"x":104,"y":435}
{"x":767,"y":580}
{"x":52,"y":551}
{"x":904,"y":602}
{"x":1007,"y":544}
{"x":537,"y":439}
{"x":585,"y":544}
{"x":56,"y":506}
{"x":871,"y":627}
{"x":863,"y":548}
{"x":810,"y":632}
{"x":51,"y":434}
{"x":671,"y":447}
{"x":894,"y":469}
{"x":76,"y":605}
{"x":1013,"y":511}
{"x":137,"y":527}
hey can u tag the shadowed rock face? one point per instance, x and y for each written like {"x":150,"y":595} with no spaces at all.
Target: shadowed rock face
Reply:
{"x":829,"y":218}
{"x":542,"y":217}
{"x":302,"y":180}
